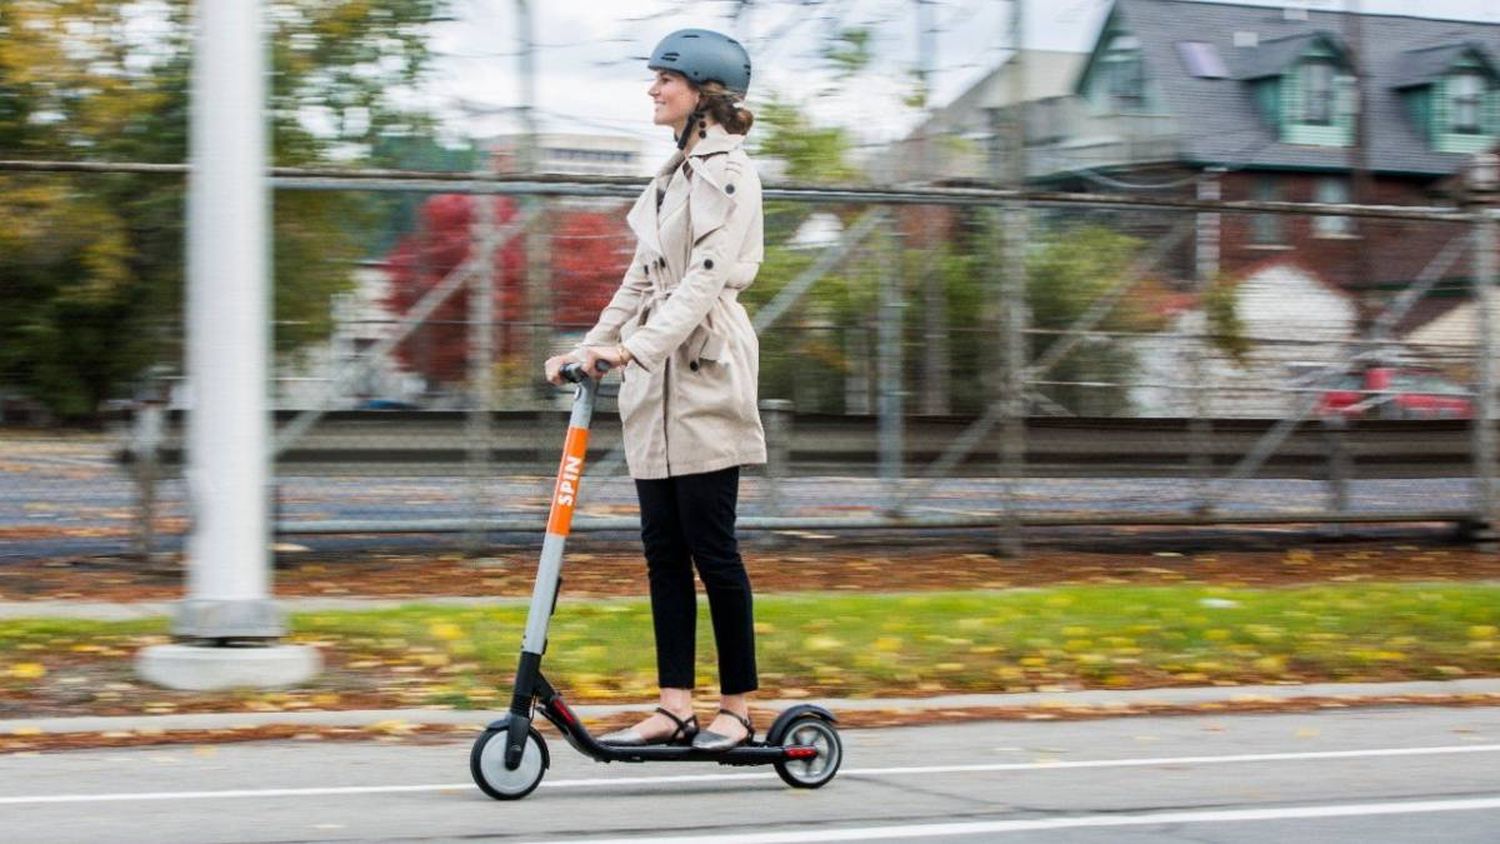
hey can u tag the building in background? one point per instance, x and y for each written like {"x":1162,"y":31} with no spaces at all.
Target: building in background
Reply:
{"x":591,"y":154}
{"x":953,"y":143}
{"x":1174,"y":89}
{"x":360,"y":321}
{"x":1263,"y":104}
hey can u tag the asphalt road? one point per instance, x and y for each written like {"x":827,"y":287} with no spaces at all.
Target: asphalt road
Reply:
{"x":1392,"y":775}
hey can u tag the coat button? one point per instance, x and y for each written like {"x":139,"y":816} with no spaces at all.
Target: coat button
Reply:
{"x":693,"y":366}
{"x":729,"y":189}
{"x":708,"y":263}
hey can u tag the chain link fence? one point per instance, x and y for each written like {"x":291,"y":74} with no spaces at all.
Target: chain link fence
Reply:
{"x":930,"y":358}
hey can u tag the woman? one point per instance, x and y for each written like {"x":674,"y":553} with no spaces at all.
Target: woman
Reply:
{"x":689,"y":364}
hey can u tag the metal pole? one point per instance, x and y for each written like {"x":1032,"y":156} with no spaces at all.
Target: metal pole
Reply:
{"x":1200,"y":427}
{"x":228,"y":581}
{"x":1483,"y":184}
{"x":538,"y":275}
{"x":147,"y":447}
{"x":935,"y":356}
{"x":889,"y":365}
{"x":1013,"y":301}
{"x":777,"y":415}
{"x":228,"y":598}
{"x":481,"y":364}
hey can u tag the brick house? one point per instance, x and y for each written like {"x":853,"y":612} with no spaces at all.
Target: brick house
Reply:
{"x":1261,"y":103}
{"x":1267,"y":97}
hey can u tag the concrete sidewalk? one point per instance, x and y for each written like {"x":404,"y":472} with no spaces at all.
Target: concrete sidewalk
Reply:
{"x":1102,"y":700}
{"x":136,"y":610}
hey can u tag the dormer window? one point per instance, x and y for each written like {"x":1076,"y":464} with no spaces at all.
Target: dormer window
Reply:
{"x":1450,"y":95}
{"x":1318,"y":93}
{"x":1122,"y":75}
{"x":1467,"y":92}
{"x":1303,"y":87}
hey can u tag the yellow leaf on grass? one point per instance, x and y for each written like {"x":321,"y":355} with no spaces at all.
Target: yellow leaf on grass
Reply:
{"x":28,"y":671}
{"x":447,"y":631}
{"x":822,"y":643}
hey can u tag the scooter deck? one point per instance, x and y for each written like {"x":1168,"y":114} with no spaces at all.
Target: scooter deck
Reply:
{"x":745,"y":754}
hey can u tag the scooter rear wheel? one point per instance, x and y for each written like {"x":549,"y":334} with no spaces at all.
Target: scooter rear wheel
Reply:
{"x":487,"y":764}
{"x":815,"y":771}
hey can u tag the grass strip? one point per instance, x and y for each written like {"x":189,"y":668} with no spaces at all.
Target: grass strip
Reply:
{"x":868,"y":644}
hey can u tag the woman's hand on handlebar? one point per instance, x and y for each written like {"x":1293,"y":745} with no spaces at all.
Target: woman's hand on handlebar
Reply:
{"x":615,"y":356}
{"x":553,"y":367}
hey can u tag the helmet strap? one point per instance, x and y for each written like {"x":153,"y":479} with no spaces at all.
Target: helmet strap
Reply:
{"x":687,"y":128}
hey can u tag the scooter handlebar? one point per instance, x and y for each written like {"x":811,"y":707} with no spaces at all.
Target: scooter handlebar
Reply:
{"x":574,"y":371}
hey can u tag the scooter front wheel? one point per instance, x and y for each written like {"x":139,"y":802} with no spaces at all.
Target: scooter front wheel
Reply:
{"x":814,"y":771}
{"x":487,"y":764}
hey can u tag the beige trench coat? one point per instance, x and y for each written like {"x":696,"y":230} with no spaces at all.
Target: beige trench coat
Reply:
{"x":688,"y":399}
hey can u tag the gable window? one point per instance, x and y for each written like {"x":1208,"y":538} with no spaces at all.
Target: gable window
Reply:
{"x":1317,"y":102}
{"x":1122,"y":76}
{"x":1467,"y":91}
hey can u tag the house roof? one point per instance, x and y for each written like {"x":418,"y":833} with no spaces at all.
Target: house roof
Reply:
{"x":1273,"y":57}
{"x":1421,"y":67}
{"x":1226,"y":128}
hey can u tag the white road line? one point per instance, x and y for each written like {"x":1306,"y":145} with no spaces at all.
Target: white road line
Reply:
{"x":941,"y":830}
{"x":1156,"y":761}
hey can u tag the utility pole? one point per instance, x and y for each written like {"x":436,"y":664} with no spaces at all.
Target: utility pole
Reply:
{"x":538,"y":273}
{"x":1012,"y":271}
{"x":1360,"y":192}
{"x":1482,"y":196}
{"x":935,"y":356}
{"x":227,"y":626}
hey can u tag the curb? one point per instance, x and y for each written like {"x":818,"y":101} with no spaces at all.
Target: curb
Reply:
{"x":1099,"y":699}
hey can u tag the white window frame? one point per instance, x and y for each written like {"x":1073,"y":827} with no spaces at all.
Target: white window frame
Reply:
{"x":1332,"y":190}
{"x":1461,"y":101}
{"x":1318,"y":103}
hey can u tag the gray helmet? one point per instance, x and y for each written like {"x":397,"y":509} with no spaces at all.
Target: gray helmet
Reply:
{"x":703,"y":55}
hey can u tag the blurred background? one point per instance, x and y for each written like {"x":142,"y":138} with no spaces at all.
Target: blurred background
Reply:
{"x":1026,"y":263}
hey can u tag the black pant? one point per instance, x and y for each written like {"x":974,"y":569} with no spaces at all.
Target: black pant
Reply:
{"x":689,"y":520}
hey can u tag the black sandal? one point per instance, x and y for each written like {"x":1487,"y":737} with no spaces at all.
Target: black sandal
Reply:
{"x":717,"y":743}
{"x":686,"y":730}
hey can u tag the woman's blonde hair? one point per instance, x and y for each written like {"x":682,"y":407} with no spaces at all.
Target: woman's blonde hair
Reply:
{"x":718,"y":103}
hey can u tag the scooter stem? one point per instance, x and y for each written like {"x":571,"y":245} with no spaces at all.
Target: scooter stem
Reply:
{"x":549,"y":569}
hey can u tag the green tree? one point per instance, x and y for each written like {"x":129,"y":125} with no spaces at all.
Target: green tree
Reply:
{"x":812,"y":154}
{"x":1068,"y":269}
{"x":101,"y":266}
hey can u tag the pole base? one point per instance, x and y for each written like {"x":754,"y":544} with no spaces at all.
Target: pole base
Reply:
{"x":207,"y":668}
{"x":250,"y":618}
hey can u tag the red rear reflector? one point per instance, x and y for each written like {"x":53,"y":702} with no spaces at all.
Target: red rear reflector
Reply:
{"x":801,"y":752}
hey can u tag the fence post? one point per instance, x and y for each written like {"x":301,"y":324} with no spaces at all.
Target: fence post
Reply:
{"x":1200,"y":425}
{"x":1335,"y":428}
{"x":889,"y":367}
{"x":145,"y":446}
{"x":777,"y":416}
{"x":1483,"y":189}
{"x":481,"y":368}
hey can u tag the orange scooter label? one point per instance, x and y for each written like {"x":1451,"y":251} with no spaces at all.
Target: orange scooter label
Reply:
{"x":569,"y":473}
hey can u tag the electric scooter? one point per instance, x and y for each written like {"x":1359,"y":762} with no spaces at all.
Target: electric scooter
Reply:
{"x":510,"y":757}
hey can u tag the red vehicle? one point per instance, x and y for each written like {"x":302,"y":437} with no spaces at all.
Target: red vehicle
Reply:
{"x":1384,"y":392}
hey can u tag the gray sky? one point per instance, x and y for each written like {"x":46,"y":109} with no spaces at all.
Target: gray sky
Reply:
{"x":591,"y":75}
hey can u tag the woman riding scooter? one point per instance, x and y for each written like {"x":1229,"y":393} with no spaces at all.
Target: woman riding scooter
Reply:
{"x":689,"y":362}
